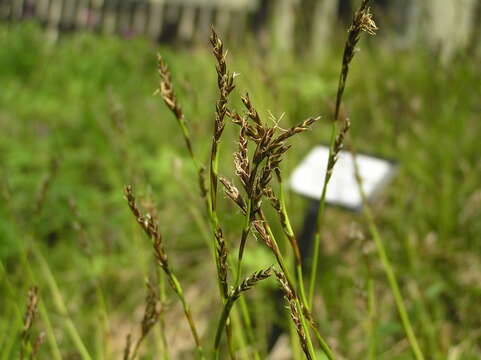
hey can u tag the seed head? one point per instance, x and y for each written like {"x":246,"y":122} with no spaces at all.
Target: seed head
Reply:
{"x":250,"y":281}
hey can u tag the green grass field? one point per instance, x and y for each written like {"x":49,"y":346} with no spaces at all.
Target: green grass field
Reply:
{"x":78,"y":121}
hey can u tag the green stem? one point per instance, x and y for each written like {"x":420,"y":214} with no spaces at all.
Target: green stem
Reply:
{"x":319,"y":222}
{"x":426,"y":320}
{"x":310,"y":347}
{"x":286,"y":225}
{"x":52,"y":341}
{"x":280,"y":260}
{"x":239,"y":335}
{"x":10,"y":289}
{"x":293,"y":242}
{"x":212,"y":201}
{"x":43,"y":315}
{"x":188,"y":314}
{"x":248,"y":218}
{"x":221,"y":325}
{"x":300,"y":282}
{"x":163,"y":337}
{"x":214,"y":169}
{"x":388,"y":269}
{"x":245,"y":233}
{"x":230,"y":339}
{"x":393,"y":283}
{"x":210,"y":196}
{"x":294,"y":342}
{"x":322,"y":343}
{"x":372,"y":317}
{"x":9,"y":339}
{"x":56,"y":355}
{"x":60,"y":304}
{"x":300,"y":279}
{"x":103,"y":345}
{"x":249,"y":329}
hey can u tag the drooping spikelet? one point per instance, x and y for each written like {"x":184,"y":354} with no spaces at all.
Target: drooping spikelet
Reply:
{"x":294,"y":312}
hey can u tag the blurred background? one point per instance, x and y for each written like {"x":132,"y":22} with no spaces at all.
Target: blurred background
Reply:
{"x":78,"y":121}
{"x":446,"y":25}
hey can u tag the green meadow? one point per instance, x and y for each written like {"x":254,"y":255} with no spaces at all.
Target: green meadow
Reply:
{"x":79,"y":120}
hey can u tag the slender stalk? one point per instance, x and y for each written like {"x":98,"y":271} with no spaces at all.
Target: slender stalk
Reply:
{"x":280,"y":206}
{"x":174,"y":282}
{"x":319,"y":221}
{"x":305,"y":327}
{"x":102,"y":339}
{"x":388,"y":268}
{"x":294,"y":342}
{"x":250,"y":187}
{"x":237,"y":335}
{"x":289,"y":232}
{"x":249,"y":328}
{"x":245,"y":233}
{"x":222,"y":321}
{"x":392,"y":282}
{"x":276,"y":251}
{"x":425,"y":317}
{"x":362,"y":21}
{"x":165,"y":344}
{"x":371,"y":322}
{"x":372,"y":318}
{"x":10,"y":289}
{"x":9,"y":344}
{"x":188,"y":314}
{"x":60,"y":304}
{"x":137,"y":347}
{"x":17,"y":315}
{"x":50,"y":334}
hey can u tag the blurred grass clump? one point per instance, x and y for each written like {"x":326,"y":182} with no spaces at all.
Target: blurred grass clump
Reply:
{"x":78,"y":120}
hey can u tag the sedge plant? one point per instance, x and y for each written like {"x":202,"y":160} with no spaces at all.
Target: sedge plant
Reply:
{"x":254,"y":170}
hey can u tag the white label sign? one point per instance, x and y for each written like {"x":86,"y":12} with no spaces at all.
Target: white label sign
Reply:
{"x":308,"y":177}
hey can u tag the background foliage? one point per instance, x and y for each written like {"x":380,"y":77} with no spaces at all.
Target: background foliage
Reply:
{"x":87,"y":105}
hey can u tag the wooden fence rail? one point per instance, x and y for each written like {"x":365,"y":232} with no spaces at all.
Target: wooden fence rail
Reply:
{"x":444,"y":25}
{"x":155,"y":18}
